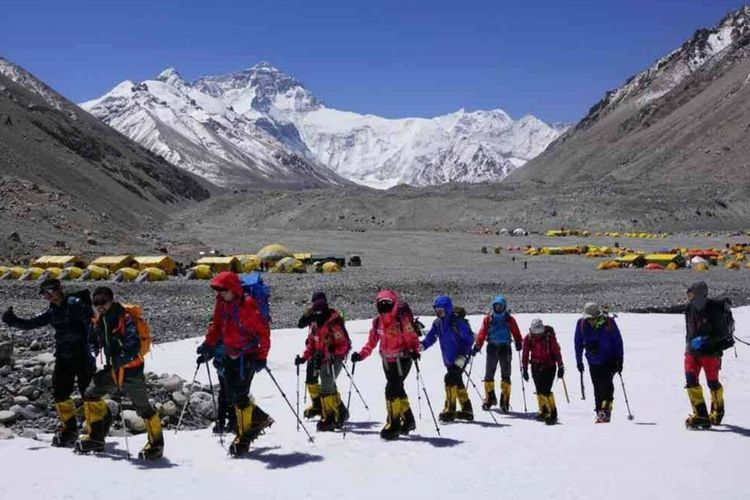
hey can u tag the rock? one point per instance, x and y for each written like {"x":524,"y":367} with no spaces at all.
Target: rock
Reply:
{"x":114,"y":408}
{"x":179,"y":399}
{"x":6,"y":353}
{"x":28,"y":412}
{"x":21,"y":400}
{"x":91,"y":241}
{"x":7,"y":416}
{"x":169,"y":409}
{"x":45,"y":358}
{"x":35,"y":345}
{"x":5,"y":370}
{"x":48,"y":381}
{"x":202,"y":404}
{"x":172,"y":383}
{"x":49,"y":369}
{"x":27,"y":391}
{"x":14,"y":236}
{"x":133,"y":422}
{"x":6,"y":433}
{"x":29,"y":433}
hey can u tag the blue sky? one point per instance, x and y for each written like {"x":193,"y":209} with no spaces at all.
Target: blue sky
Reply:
{"x":553,"y":59}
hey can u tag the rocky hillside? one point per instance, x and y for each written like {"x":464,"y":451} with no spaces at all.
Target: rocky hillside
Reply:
{"x":682,"y":123}
{"x":70,"y":183}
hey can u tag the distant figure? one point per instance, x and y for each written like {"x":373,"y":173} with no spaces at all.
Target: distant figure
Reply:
{"x":542,"y":352}
{"x":525,"y":265}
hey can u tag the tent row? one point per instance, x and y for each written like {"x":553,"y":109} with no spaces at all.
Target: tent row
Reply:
{"x":562,"y":232}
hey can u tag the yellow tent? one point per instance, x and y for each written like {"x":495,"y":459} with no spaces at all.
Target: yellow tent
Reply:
{"x":31,"y":274}
{"x":113,"y":263}
{"x":219,"y":264}
{"x":330,"y":267}
{"x":303,"y":257}
{"x":152,"y":274}
{"x":732,"y":265}
{"x":632,"y":259}
{"x":51,"y":272}
{"x":248,"y":262}
{"x":126,"y":274}
{"x":46,"y":261}
{"x":289,"y":265}
{"x":672,"y":266}
{"x":607,"y":265}
{"x":71,"y":273}
{"x":13,"y":273}
{"x":271,"y":254}
{"x":555,"y":233}
{"x":664,"y":259}
{"x":701,"y":266}
{"x":200,"y":272}
{"x":163,"y":262}
{"x":95,"y":273}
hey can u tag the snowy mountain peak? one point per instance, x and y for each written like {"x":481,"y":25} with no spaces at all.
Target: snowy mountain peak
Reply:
{"x":22,"y":77}
{"x":172,"y":77}
{"x":264,"y":66}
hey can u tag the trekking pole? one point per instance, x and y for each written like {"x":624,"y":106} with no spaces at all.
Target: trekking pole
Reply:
{"x":565,"y":388}
{"x":297,"y":396}
{"x":624,"y":393}
{"x":427,"y":397}
{"x":351,"y":379}
{"x":122,"y":419}
{"x":471,"y":366}
{"x":216,"y":409}
{"x":583,"y":388}
{"x":523,"y":386}
{"x":187,"y":400}
{"x":349,"y":396}
{"x":268,"y":370}
{"x":468,"y":377}
{"x":741,"y":341}
{"x":419,"y":398}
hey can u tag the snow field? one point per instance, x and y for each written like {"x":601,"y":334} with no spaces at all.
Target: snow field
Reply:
{"x":652,"y":456}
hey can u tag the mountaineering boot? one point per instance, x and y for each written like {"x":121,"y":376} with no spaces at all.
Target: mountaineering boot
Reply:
{"x":543,"y":411}
{"x":330,"y":408}
{"x":467,"y":411}
{"x":551,"y":418}
{"x":343,"y":412}
{"x":408,"y":423}
{"x":717,"y":406}
{"x":240,"y":445}
{"x":604,"y":415}
{"x":449,"y":410}
{"x":315,"y":405}
{"x":393,"y":425}
{"x":699,"y":419}
{"x":260,"y":421}
{"x":504,"y":396}
{"x":490,"y":399}
{"x":67,"y":432}
{"x":98,"y":421}
{"x":154,"y":448}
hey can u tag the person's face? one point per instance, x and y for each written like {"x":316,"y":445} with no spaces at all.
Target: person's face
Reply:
{"x":384,"y":306}
{"x":440,"y":312}
{"x":690,"y":295}
{"x":102,"y":304}
{"x":498,"y":308}
{"x":53,"y":295}
{"x":225,"y":294}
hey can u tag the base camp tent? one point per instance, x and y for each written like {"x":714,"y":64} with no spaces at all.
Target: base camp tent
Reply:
{"x":46,"y":261}
{"x":218,"y":264}
{"x":200,"y":272}
{"x":113,"y":263}
{"x":71,"y":273}
{"x":271,"y":254}
{"x":289,"y":265}
{"x":163,"y":262}
{"x":126,"y":274}
{"x":664,"y":259}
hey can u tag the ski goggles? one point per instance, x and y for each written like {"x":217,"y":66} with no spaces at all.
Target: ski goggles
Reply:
{"x":384,"y":305}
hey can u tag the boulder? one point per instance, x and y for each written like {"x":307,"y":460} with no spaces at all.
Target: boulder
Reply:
{"x":20,"y":400}
{"x":29,"y":433}
{"x":27,"y":391}
{"x":169,"y":409}
{"x":179,"y":398}
{"x":45,"y":358}
{"x":202,"y":404}
{"x":6,"y":353}
{"x":35,"y":345}
{"x":133,"y":422}
{"x":6,"y":433}
{"x":7,"y":417}
{"x":172,"y":383}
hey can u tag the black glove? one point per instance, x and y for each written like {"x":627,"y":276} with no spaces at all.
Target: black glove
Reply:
{"x":560,"y":371}
{"x":9,"y":317}
{"x":259,"y":364}
{"x":579,"y":365}
{"x":476,"y":350}
{"x":414,"y":355}
{"x":356,"y":357}
{"x":519,"y":345}
{"x":205,"y":353}
{"x":618,"y":366}
{"x":299,"y":360}
{"x":526,"y":374}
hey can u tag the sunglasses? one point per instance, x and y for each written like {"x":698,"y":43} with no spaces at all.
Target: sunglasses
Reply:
{"x":48,"y":291}
{"x":101,"y":302}
{"x":219,"y":289}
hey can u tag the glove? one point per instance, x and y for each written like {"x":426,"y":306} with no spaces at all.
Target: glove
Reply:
{"x":579,"y":365}
{"x":618,"y":366}
{"x":560,"y":371}
{"x":205,"y":353}
{"x":526,"y":374}
{"x":9,"y":317}
{"x":476,"y":350}
{"x":414,"y":355}
{"x":259,"y":364}
{"x":299,"y":360}
{"x":696,"y":344}
{"x":356,"y":357}
{"x":519,"y":345}
{"x":460,"y":362}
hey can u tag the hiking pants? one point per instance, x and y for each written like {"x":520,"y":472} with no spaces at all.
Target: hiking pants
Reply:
{"x":239,"y":373}
{"x":543,"y":377}
{"x":498,"y":354}
{"x":328,"y":374}
{"x":395,"y":374}
{"x":454,"y":376}
{"x":602,"y":377}
{"x":133,"y":386}
{"x":69,"y":372}
{"x":710,"y":364}
{"x":311,"y":373}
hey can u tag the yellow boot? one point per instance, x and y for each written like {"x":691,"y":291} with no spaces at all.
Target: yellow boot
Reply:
{"x":408,"y":423}
{"x":490,"y":399}
{"x":542,"y":402}
{"x":154,"y":448}
{"x":392,"y":427}
{"x":98,"y":421}
{"x":504,"y":396}
{"x":449,"y":410}
{"x":699,"y":418}
{"x":329,"y":416}
{"x":551,"y":409}
{"x":315,"y":405}
{"x":67,"y":433}
{"x":467,"y":411}
{"x":717,"y":406}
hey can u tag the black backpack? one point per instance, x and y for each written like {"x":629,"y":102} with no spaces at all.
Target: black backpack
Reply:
{"x":724,"y":323}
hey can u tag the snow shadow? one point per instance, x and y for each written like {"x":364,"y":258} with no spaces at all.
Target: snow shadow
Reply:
{"x":437,"y":441}
{"x":736,"y":429}
{"x":281,"y":460}
{"x":517,"y":414}
{"x":361,"y":425}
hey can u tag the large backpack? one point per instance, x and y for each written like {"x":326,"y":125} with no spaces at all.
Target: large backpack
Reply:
{"x":144,"y":331}
{"x":404,"y":312}
{"x":253,"y":286}
{"x":725,"y":326}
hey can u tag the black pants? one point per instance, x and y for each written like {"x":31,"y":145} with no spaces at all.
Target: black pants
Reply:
{"x":395,"y":374}
{"x":311,"y":372}
{"x":543,"y":377}
{"x":68,"y":373}
{"x":498,"y":354}
{"x":238,"y":374}
{"x":454,"y":377}
{"x":602,"y":376}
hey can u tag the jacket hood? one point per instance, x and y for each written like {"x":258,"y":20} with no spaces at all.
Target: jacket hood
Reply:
{"x":390,"y":317}
{"x":444,"y":302}
{"x":228,"y":280}
{"x":499,"y":299}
